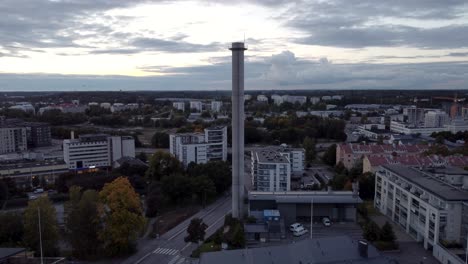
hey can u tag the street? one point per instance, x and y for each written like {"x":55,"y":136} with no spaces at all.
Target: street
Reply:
{"x":171,"y":248}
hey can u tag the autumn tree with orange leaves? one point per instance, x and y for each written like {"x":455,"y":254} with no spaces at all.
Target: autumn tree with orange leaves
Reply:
{"x":122,"y":214}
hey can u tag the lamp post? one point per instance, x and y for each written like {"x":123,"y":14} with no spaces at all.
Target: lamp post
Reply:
{"x":40,"y":233}
{"x":311,"y":216}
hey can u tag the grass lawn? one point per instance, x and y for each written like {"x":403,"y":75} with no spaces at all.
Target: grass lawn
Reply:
{"x":205,"y":247}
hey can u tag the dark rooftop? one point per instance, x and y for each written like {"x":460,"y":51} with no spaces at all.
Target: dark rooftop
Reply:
{"x":313,"y":251}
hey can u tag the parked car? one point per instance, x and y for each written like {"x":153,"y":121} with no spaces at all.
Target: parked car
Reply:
{"x":295,"y":226}
{"x":326,"y":221}
{"x":300,"y":231}
{"x":39,"y":190}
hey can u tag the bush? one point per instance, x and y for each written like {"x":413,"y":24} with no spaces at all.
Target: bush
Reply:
{"x":385,"y":245}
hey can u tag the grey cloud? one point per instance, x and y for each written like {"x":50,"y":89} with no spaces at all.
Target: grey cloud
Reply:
{"x":355,"y":24}
{"x":280,"y":71}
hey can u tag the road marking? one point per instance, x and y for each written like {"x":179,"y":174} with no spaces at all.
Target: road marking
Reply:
{"x":219,"y":219}
{"x":174,"y":260}
{"x":181,"y":261}
{"x":165,"y":251}
{"x":186,"y":246}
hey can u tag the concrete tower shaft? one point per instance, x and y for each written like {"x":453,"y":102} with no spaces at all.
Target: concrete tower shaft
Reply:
{"x":237,"y":49}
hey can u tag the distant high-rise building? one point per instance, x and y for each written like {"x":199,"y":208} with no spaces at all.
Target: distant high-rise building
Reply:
{"x":196,"y":105}
{"x":38,"y":134}
{"x":435,"y":119}
{"x":12,"y":138}
{"x":271,"y":171}
{"x":199,"y":147}
{"x":179,"y":106}
{"x":216,"y":106}
{"x":315,"y":100}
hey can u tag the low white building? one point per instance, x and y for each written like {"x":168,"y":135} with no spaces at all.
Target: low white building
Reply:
{"x":295,"y":99}
{"x":199,"y":147}
{"x":179,"y":106}
{"x":196,"y":105}
{"x":25,"y":107}
{"x":118,"y":107}
{"x":96,"y":150}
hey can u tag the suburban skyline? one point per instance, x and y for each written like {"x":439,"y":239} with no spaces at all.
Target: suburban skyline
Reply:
{"x":182,"y":45}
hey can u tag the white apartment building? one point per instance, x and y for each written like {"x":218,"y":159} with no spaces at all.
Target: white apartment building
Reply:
{"x":262,"y":98}
{"x":406,"y":129}
{"x":271,"y":171}
{"x":199,"y":147}
{"x":277,"y":99}
{"x":247,"y":97}
{"x":197,"y":105}
{"x":295,"y":99}
{"x":429,"y":204}
{"x":216,"y":106}
{"x":96,"y":150}
{"x":315,"y":100}
{"x":179,"y":106}
{"x":435,"y":119}
{"x":25,"y":107}
{"x":12,"y":138}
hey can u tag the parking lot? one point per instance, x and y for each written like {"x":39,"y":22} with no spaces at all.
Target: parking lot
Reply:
{"x":352,"y":230}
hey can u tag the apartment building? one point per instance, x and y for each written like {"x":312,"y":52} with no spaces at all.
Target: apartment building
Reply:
{"x":350,"y":154}
{"x":372,"y":163}
{"x":12,"y":138}
{"x":216,"y":106}
{"x":428,"y":204}
{"x":271,"y":171}
{"x":179,"y":106}
{"x":435,"y":119}
{"x":199,"y":147}
{"x":38,"y":134}
{"x":295,"y":99}
{"x":196,"y":105}
{"x":96,"y":150}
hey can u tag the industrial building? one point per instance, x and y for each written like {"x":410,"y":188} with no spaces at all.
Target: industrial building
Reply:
{"x":199,"y":147}
{"x":22,"y":172}
{"x":429,"y":204}
{"x":96,"y":150}
{"x":296,"y":206}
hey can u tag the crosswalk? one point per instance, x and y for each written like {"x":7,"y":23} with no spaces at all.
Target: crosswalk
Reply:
{"x":166,"y":251}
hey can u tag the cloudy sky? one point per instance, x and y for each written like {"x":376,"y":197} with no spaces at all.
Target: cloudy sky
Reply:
{"x":166,"y":45}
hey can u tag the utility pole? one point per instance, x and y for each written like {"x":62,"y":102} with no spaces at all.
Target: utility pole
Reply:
{"x":40,"y":233}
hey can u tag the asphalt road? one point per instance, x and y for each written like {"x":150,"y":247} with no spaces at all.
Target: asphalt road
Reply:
{"x":171,"y":248}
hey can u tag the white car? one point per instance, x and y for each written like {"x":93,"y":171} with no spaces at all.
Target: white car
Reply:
{"x":295,"y":226}
{"x":300,"y":231}
{"x":326,"y":221}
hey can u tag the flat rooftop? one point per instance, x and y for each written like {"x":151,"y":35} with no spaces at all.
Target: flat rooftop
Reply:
{"x":323,"y":197}
{"x":267,"y":155}
{"x":307,"y":251}
{"x":431,"y":184}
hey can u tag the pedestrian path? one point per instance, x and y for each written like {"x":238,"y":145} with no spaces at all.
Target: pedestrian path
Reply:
{"x":166,"y":251}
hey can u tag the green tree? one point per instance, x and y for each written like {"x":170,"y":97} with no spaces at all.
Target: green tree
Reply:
{"x":49,"y":230}
{"x":196,"y":231}
{"x":162,"y":164}
{"x":82,"y":223}
{"x":160,"y":140}
{"x":204,"y":188}
{"x":217,"y":171}
{"x":387,"y":234}
{"x":238,"y":236}
{"x":122,"y":215}
{"x":371,"y":231}
{"x":11,"y":229}
{"x":177,"y":187}
{"x":154,"y":199}
{"x":3,"y":193}
{"x":142,"y":156}
{"x":367,"y":186}
{"x":329,"y":157}
{"x":309,"y":146}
